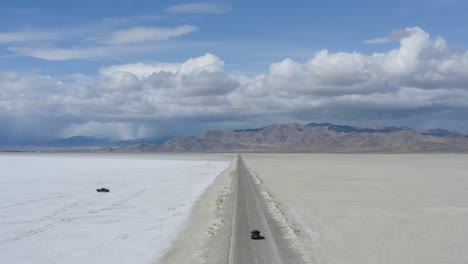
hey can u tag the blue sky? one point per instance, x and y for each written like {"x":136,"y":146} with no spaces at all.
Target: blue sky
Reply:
{"x":248,"y":36}
{"x":302,"y":60}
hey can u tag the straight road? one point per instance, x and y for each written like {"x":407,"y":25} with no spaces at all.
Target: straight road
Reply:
{"x":248,"y":215}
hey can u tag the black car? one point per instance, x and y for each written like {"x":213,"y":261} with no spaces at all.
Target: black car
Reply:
{"x":255,"y":234}
{"x":102,"y":190}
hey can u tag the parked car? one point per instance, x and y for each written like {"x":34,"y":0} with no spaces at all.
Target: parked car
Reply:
{"x":102,"y":190}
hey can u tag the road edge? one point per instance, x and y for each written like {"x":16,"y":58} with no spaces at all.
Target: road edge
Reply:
{"x":203,"y":239}
{"x":286,"y":235}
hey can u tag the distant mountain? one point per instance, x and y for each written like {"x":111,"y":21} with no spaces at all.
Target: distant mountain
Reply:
{"x":151,"y":140}
{"x":440,"y":133}
{"x":81,"y":142}
{"x":350,"y":129}
{"x":313,"y":137}
{"x":76,"y":141}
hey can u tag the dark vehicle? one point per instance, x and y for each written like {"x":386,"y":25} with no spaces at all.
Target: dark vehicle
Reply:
{"x":102,"y":190}
{"x":255,"y":234}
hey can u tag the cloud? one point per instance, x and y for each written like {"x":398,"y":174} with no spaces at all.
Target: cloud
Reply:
{"x":117,"y":21}
{"x":146,"y":34}
{"x":201,"y":76}
{"x":115,"y":44}
{"x":90,"y":53}
{"x":105,"y":40}
{"x":395,"y":35}
{"x":199,"y":8}
{"x":205,"y":63}
{"x":31,"y":36}
{"x":58,"y":54}
{"x":141,"y":70}
{"x":419,"y":83}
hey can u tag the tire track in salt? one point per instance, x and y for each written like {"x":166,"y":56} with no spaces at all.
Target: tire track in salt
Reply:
{"x":63,"y":220}
{"x":34,"y":201}
{"x":35,"y":231}
{"x":157,"y":224}
{"x":53,"y":214}
{"x":121,"y":201}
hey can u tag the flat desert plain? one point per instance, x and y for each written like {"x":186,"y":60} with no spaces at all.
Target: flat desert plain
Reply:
{"x":371,"y":208}
{"x":50,"y":211}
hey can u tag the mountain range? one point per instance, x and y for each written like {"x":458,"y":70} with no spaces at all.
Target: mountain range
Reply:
{"x":310,"y":138}
{"x":74,"y":143}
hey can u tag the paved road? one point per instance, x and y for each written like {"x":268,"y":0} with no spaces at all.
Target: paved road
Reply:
{"x":248,"y":215}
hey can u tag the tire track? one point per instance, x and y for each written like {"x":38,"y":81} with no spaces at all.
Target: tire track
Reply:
{"x":35,"y":231}
{"x":63,"y":220}
{"x":53,"y":214}
{"x":65,"y":208}
{"x":156,"y":226}
{"x":34,"y":201}
{"x":47,"y":226}
{"x":113,"y":205}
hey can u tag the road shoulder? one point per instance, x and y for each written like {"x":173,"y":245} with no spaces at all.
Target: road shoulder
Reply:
{"x":207,"y":235}
{"x":286,"y":234}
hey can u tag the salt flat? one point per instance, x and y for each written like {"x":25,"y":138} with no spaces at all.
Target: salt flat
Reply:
{"x":371,"y":208}
{"x":50,"y":211}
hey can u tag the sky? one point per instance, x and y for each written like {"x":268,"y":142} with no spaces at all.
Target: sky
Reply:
{"x":130,"y":69}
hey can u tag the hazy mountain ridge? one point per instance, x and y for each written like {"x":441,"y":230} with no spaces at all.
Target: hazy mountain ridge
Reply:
{"x":82,"y":142}
{"x":313,"y":137}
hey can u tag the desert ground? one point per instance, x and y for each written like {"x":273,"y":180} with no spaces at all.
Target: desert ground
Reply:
{"x":370,"y":208}
{"x":50,"y":211}
{"x":180,"y":208}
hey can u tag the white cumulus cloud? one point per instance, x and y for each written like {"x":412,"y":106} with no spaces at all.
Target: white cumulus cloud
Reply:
{"x":420,"y":82}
